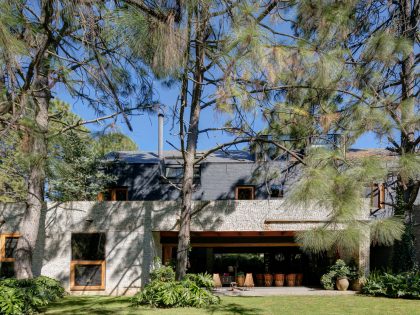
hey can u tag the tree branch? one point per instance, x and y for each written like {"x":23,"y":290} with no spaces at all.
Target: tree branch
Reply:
{"x":247,"y":140}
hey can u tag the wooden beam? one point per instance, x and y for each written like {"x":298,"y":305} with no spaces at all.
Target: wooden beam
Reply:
{"x":230,"y":233}
{"x":242,"y":245}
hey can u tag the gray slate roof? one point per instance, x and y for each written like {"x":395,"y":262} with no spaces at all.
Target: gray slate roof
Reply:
{"x":175,"y":157}
{"x":231,"y":156}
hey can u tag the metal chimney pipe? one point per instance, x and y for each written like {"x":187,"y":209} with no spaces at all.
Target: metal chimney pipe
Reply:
{"x":160,"y":135}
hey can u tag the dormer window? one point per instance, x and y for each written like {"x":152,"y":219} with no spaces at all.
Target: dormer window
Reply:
{"x":177,"y":172}
{"x":244,"y":192}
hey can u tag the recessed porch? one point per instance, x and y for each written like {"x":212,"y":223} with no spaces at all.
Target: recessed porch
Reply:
{"x":261,"y":253}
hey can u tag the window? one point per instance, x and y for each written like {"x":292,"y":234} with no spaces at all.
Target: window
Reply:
{"x":177,"y":172}
{"x":276,"y":191}
{"x":377,"y":196}
{"x":87,"y":267}
{"x":8,"y":243}
{"x":244,"y":193}
{"x":114,"y":194}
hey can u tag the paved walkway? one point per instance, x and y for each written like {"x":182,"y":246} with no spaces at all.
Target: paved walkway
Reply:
{"x":272,"y":291}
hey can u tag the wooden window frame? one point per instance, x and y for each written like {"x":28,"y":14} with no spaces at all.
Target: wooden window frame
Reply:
{"x":381,"y":196}
{"x":249,"y":187}
{"x":74,"y":287}
{"x":3,"y":246}
{"x":73,"y":263}
{"x":377,"y":201}
{"x":113,"y":193}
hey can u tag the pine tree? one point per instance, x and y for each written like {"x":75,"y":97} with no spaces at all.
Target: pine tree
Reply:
{"x":353,"y":73}
{"x":47,"y":46}
{"x":216,"y":52}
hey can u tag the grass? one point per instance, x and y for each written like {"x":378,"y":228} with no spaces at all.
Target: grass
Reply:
{"x":296,"y":305}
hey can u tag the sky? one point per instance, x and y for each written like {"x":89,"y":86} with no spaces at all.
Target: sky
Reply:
{"x":145,"y":128}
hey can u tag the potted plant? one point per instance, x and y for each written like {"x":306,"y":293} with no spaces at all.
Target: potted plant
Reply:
{"x":340,"y":273}
{"x":240,"y":279}
{"x":260,"y":279}
{"x":358,"y":282}
{"x":299,"y":279}
{"x":268,"y":279}
{"x":291,"y":279}
{"x":279,"y":279}
{"x":341,"y":280}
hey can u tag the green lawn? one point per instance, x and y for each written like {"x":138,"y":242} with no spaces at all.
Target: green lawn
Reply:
{"x":295,"y":305}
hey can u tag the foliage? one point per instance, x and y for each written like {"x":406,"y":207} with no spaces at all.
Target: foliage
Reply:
{"x":28,"y":296}
{"x":203,"y":280}
{"x":113,"y":141}
{"x":353,"y":304}
{"x":13,"y":169}
{"x":75,"y":166}
{"x":334,"y":182}
{"x":76,"y":172}
{"x":387,"y":230}
{"x":162,"y":273}
{"x":248,"y":262}
{"x":193,"y":290}
{"x":402,"y":285}
{"x":339,"y":270}
{"x":356,"y":59}
{"x":327,"y":281}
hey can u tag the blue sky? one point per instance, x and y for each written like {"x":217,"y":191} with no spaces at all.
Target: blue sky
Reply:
{"x":145,"y":126}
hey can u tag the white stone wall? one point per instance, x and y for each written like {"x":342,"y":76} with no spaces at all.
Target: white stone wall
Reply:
{"x":132,"y":231}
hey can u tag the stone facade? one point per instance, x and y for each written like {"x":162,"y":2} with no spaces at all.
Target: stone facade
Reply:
{"x":132,"y":231}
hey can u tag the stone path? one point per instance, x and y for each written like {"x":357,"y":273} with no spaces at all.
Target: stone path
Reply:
{"x":273,"y":291}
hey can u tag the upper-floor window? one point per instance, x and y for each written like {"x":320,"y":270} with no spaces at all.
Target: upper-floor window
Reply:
{"x":177,"y":172}
{"x":276,"y":191}
{"x":244,"y":192}
{"x":114,"y":194}
{"x":377,"y":196}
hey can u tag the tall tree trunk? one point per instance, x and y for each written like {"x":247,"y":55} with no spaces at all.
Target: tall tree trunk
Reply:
{"x":37,"y":148}
{"x":189,"y":156}
{"x":404,"y":250}
{"x":39,"y":93}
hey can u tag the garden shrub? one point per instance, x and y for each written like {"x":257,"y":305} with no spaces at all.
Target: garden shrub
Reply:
{"x":402,"y":285}
{"x":327,"y":281}
{"x":164,"y":291}
{"x":28,"y":296}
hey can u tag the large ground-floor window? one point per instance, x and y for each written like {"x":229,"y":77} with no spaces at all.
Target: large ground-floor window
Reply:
{"x":87,"y":267}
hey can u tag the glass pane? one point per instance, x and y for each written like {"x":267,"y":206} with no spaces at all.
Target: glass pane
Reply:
{"x":276,"y":191}
{"x":174,"y":172}
{"x":6,"y":270}
{"x":121,"y":194}
{"x":245,"y":193}
{"x":10,"y":243}
{"x":107,"y":195}
{"x":88,"y":246}
{"x":87,"y":275}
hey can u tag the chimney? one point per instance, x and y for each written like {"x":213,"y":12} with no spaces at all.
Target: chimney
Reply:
{"x":160,"y":135}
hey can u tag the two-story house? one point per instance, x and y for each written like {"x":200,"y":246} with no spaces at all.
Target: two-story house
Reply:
{"x":108,"y":246}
